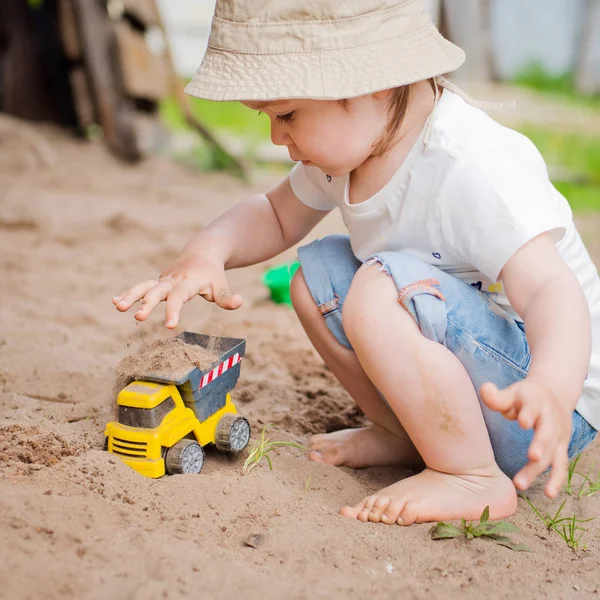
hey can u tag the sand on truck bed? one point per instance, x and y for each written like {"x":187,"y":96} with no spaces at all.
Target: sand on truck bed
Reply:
{"x":173,"y":357}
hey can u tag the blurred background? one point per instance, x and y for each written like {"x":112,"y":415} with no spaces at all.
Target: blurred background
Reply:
{"x":114,"y":70}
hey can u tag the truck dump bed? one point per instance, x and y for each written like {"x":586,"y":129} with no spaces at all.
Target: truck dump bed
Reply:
{"x":205,"y":390}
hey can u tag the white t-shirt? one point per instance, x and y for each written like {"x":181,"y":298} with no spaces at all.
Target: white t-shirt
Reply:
{"x":465,"y":201}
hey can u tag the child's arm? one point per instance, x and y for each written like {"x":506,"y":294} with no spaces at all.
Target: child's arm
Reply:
{"x":251,"y":232}
{"x":545,"y":293}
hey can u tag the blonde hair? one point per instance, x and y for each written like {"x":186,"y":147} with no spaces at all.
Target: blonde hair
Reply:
{"x":396,"y":109}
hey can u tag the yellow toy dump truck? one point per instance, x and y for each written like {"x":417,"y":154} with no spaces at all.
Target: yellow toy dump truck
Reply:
{"x":164,"y":422}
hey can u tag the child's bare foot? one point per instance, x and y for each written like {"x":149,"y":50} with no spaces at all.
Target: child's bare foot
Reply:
{"x":434,"y":496}
{"x":370,"y":446}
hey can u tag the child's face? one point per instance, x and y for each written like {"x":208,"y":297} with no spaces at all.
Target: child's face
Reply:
{"x":325,"y":134}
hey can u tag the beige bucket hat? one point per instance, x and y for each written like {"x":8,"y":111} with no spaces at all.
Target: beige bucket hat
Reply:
{"x":320,"y":49}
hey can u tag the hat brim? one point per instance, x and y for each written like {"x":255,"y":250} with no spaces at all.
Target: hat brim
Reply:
{"x":326,"y":75}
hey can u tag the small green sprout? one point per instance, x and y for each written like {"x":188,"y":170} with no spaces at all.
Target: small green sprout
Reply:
{"x":566,"y":527}
{"x":593,"y":485}
{"x":491,"y":530}
{"x":262,"y":449}
{"x":570,"y":473}
{"x":589,"y":486}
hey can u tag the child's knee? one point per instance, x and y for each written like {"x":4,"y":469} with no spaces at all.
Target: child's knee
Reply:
{"x":371,"y":296}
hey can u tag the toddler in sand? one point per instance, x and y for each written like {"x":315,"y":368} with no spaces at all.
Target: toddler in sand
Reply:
{"x":462,"y":312}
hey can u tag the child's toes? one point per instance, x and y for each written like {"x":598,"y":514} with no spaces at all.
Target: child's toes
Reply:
{"x":315,"y":456}
{"x":332,"y":454}
{"x":359,"y":511}
{"x":393,"y":512}
{"x":407,"y":515}
{"x":317,"y":440}
{"x":379,"y":507}
{"x":363,"y":515}
{"x":368,"y":504}
{"x":349,"y":511}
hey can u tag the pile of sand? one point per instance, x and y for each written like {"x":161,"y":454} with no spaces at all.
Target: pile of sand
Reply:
{"x":31,"y":445}
{"x":172,"y":359}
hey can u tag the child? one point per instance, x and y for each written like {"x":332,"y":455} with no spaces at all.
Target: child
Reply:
{"x":462,"y":313}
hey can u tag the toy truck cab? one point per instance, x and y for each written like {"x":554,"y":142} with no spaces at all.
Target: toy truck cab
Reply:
{"x":163,"y":421}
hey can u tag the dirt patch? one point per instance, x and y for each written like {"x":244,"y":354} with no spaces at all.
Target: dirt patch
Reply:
{"x":315,"y":401}
{"x":120,"y":223}
{"x":32,"y":446}
{"x":18,"y":225}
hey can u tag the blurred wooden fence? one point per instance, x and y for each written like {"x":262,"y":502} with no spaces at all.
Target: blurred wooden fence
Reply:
{"x":502,"y":38}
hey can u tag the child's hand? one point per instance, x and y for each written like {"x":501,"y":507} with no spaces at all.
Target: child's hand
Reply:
{"x":532,"y":404}
{"x":185,"y":279}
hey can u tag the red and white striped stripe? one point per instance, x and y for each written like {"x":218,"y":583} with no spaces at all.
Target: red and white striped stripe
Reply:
{"x":212,"y":375}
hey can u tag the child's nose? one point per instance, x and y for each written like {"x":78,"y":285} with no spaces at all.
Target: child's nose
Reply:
{"x":278,"y":136}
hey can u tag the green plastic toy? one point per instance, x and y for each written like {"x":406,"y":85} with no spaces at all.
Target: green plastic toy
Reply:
{"x":278,"y":280}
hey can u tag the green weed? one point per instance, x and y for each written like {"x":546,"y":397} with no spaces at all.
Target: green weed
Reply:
{"x":570,"y":473}
{"x":261,"y":450}
{"x":589,"y":485}
{"x":593,"y":487}
{"x":568,"y":528}
{"x":491,"y":530}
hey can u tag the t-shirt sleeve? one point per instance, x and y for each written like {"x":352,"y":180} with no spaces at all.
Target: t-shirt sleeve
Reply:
{"x":494,"y":205}
{"x":307,"y":184}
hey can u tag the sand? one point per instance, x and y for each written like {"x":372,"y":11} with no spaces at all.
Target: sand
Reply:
{"x":169,"y":358}
{"x":77,"y":523}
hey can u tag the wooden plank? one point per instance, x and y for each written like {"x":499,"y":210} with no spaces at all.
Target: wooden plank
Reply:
{"x":115,"y":110}
{"x":588,"y":69}
{"x":145,"y":75}
{"x":467,"y":25}
{"x":145,"y":11}
{"x":69,"y":35}
{"x":84,"y":106}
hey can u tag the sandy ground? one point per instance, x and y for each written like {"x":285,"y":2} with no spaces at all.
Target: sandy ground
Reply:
{"x":77,"y":523}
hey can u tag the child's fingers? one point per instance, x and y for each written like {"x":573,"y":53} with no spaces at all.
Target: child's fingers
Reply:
{"x":560,"y":465}
{"x":223,"y":297}
{"x":124,"y":301}
{"x":527,"y":475}
{"x":177,"y":297}
{"x":157,"y":294}
{"x":499,"y":400}
{"x":489,"y":394}
{"x":545,"y":439}
{"x":207,"y":294}
{"x":529,"y":413}
{"x":228,"y":301}
{"x":541,"y":454}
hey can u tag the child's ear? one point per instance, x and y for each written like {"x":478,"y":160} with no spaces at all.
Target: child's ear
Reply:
{"x":381,"y":96}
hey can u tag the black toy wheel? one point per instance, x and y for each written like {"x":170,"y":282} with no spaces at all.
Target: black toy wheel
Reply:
{"x":186,"y":456}
{"x":233,"y":433}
